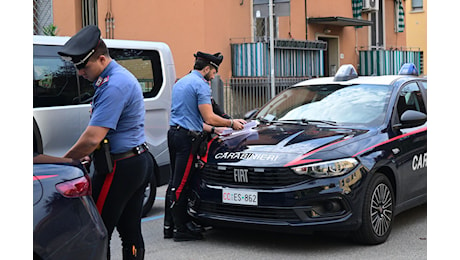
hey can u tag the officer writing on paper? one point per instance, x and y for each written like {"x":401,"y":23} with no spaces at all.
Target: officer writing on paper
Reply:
{"x":191,"y":113}
{"x":115,"y":137}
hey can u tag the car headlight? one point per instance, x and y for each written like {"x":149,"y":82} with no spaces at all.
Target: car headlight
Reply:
{"x":327,"y":169}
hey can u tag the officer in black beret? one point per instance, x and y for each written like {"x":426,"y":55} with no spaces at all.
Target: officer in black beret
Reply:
{"x":114,"y":137}
{"x":191,"y":114}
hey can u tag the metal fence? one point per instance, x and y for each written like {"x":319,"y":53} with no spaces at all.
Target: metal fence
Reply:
{"x":245,"y":94}
{"x":43,"y":14}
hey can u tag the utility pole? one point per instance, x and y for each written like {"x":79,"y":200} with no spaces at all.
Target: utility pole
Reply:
{"x":272,"y":48}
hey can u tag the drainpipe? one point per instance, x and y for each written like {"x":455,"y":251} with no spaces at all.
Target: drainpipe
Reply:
{"x":306,"y":22}
{"x":272,"y":49}
{"x":109,"y":22}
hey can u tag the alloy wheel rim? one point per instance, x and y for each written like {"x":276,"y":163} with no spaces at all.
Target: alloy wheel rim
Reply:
{"x":381,"y":209}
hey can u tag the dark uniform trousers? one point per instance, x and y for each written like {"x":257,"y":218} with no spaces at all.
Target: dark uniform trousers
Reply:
{"x":119,"y":198}
{"x":182,"y":152}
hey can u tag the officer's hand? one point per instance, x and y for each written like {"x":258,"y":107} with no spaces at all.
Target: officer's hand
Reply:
{"x":86,"y":162}
{"x":238,"y":124}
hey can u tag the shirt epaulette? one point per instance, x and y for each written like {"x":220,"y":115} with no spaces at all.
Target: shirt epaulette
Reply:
{"x":101,"y":81}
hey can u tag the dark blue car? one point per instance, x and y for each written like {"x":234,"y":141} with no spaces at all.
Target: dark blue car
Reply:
{"x":67,"y":224}
{"x":342,"y":153}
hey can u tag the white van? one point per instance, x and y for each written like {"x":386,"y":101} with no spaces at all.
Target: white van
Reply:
{"x":61,"y":98}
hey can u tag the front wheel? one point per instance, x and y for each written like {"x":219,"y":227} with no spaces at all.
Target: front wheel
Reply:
{"x":377,"y":218}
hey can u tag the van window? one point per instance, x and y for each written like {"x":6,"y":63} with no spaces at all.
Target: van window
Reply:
{"x":55,"y":80}
{"x":145,"y":65}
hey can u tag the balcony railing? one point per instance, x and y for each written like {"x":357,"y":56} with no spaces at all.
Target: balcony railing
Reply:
{"x":292,"y":59}
{"x":388,"y":62}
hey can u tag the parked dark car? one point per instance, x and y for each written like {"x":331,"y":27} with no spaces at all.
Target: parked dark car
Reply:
{"x":67,"y":224}
{"x":343,"y":153}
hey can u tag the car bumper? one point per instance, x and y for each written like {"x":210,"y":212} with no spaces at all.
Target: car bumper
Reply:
{"x":318,"y":204}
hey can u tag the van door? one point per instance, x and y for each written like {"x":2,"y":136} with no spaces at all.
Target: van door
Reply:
{"x":61,"y":109}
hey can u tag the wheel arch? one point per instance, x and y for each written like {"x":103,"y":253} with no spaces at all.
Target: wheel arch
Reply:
{"x":38,"y":143}
{"x":388,"y":172}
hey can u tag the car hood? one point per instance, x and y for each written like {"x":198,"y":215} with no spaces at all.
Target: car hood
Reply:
{"x":281,"y":145}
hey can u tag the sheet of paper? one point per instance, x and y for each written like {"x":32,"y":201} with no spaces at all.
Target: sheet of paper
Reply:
{"x":249,"y":125}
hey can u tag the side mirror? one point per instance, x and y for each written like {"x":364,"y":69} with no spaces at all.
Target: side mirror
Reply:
{"x":250,"y":113}
{"x":411,"y":118}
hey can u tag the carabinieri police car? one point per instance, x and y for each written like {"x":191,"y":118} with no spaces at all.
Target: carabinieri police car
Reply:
{"x":343,"y":153}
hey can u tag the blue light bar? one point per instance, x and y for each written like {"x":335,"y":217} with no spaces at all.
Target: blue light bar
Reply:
{"x":408,"y":69}
{"x":345,"y":72}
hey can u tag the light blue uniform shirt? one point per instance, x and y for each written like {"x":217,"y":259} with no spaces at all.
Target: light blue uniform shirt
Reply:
{"x":189,"y":92}
{"x":118,"y":104}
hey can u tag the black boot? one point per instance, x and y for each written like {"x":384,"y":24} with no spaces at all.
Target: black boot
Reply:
{"x":184,"y":234}
{"x":133,"y":253}
{"x":194,"y":227}
{"x":187,"y":232}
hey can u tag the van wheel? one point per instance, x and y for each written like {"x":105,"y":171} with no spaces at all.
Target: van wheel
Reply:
{"x":377,"y":219}
{"x":149,"y":195}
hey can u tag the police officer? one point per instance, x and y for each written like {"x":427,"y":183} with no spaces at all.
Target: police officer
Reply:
{"x":190,"y":109}
{"x":115,"y":136}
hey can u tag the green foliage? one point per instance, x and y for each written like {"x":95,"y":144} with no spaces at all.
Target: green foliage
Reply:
{"x":50,"y":30}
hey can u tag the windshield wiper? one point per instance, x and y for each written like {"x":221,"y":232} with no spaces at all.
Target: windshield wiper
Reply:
{"x":304,"y":120}
{"x":263,"y":120}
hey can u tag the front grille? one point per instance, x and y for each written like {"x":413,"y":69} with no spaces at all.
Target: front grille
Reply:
{"x":256,"y":177}
{"x":249,"y":212}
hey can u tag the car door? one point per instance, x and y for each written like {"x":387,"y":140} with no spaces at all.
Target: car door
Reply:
{"x":410,"y":145}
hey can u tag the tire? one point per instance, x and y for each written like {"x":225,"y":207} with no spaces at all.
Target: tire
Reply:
{"x":378,"y":212}
{"x":149,"y":195}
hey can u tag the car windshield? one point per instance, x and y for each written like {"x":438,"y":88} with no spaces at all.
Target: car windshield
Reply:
{"x":333,"y":104}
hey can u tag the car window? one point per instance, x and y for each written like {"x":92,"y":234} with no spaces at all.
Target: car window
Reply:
{"x":355,"y":104}
{"x":410,"y":98}
{"x":423,"y":83}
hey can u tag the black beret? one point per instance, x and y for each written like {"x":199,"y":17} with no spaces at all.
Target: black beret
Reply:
{"x":81,"y":46}
{"x":213,"y":59}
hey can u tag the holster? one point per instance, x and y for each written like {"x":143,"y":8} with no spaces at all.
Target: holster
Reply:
{"x":102,"y":159}
{"x":198,"y":138}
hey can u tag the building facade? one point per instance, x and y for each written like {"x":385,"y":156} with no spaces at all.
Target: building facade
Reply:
{"x":348,"y":27}
{"x":416,"y":24}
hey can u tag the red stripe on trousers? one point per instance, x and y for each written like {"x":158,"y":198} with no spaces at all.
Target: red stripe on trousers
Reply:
{"x":105,"y":189}
{"x":186,"y":174}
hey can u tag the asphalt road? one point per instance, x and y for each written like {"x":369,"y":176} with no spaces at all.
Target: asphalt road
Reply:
{"x":408,"y":240}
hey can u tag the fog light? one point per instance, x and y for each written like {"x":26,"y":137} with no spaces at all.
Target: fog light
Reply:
{"x":325,"y":209}
{"x":332,"y":206}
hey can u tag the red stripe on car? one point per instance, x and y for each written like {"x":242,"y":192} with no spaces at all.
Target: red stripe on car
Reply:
{"x":41,"y":177}
{"x":391,"y":140}
{"x":302,"y":159}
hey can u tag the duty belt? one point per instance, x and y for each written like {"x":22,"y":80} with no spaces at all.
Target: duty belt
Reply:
{"x":133,"y":152}
{"x":179,"y":128}
{"x":194,"y":134}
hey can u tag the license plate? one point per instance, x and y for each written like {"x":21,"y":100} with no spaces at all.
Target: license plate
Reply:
{"x":240,"y":197}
